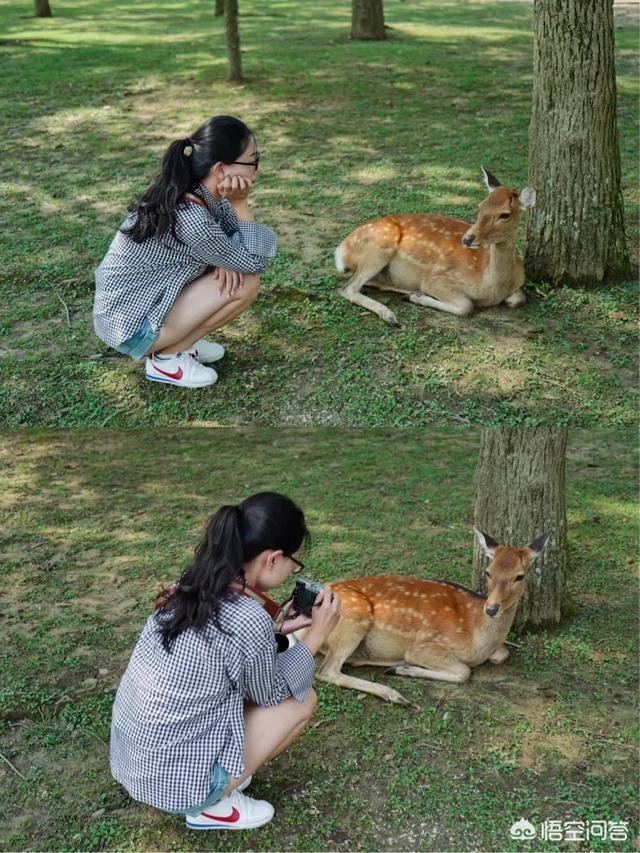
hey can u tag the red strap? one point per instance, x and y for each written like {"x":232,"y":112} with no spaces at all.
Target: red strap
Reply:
{"x":272,"y":607}
{"x":163,"y":595}
{"x":190,"y":198}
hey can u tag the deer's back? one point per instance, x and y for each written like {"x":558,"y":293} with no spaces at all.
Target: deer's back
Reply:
{"x":401,"y":609}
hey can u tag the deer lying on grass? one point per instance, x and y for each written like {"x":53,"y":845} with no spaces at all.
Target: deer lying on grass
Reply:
{"x":431,"y":259}
{"x":426,"y":628}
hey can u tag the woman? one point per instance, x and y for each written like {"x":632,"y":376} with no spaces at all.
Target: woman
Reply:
{"x":206,"y":699}
{"x":186,"y":258}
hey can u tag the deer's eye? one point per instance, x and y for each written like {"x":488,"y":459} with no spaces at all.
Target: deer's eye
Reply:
{"x":488,"y":574}
{"x":504,"y":216}
{"x":520,"y":578}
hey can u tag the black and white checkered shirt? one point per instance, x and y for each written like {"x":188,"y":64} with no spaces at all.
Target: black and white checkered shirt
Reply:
{"x":138,"y":281}
{"x":177,"y":713}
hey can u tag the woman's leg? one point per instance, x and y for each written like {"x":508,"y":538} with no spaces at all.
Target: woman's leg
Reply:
{"x":200,"y":308}
{"x":268,"y":731}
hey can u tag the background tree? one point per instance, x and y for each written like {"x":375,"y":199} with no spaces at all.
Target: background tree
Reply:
{"x":575,"y":233}
{"x":219,"y":8}
{"x":43,"y":9}
{"x":520,"y":494}
{"x":367,"y":20}
{"x":233,"y":41}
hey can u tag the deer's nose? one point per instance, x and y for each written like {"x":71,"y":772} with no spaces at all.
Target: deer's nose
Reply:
{"x":468,"y":239}
{"x":491,"y":609}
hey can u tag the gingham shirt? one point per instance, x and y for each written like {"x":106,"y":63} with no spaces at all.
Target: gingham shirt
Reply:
{"x":140,"y":281}
{"x":177,"y":713}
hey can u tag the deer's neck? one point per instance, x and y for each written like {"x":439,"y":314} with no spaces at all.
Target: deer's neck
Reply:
{"x":491,"y":631}
{"x":502,"y":263}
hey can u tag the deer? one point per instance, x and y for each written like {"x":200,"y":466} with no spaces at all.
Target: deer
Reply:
{"x":438,"y":262}
{"x":434,"y":629}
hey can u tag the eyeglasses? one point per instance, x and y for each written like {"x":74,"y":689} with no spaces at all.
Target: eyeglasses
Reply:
{"x":299,"y":566}
{"x":255,"y":163}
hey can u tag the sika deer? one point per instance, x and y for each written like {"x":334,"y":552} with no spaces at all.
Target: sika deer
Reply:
{"x":426,"y":628}
{"x":439,"y":262}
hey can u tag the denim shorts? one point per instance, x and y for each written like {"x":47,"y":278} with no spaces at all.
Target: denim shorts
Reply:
{"x":138,"y":345}
{"x":220,"y":779}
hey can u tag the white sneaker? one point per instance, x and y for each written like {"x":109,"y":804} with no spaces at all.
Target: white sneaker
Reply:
{"x":236,"y":811}
{"x":181,"y":369}
{"x":207,"y":351}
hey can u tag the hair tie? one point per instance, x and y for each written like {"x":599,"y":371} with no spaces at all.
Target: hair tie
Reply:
{"x":187,"y":150}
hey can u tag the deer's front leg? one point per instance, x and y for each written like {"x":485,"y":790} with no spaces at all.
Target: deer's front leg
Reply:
{"x":500,"y":655}
{"x":421,"y":662}
{"x":516,"y":299}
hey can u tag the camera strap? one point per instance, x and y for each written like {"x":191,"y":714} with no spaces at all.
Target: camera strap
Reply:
{"x":272,"y":607}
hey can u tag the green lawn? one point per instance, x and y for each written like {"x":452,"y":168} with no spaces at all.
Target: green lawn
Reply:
{"x":96,"y":521}
{"x":349,"y":131}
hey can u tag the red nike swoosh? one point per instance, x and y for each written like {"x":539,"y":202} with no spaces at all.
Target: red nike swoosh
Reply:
{"x":177,"y":375}
{"x":234,"y":817}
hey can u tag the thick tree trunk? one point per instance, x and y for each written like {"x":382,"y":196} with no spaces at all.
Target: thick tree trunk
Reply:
{"x":367,"y":20}
{"x":520,"y":494}
{"x":43,"y":9}
{"x":575,"y":233}
{"x":233,"y":41}
{"x":219,"y":8}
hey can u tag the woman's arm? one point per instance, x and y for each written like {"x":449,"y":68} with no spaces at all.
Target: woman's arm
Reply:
{"x":247,"y":250}
{"x":270,"y":678}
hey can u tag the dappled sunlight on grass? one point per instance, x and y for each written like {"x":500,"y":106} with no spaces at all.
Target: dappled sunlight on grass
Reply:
{"x":350,"y":131}
{"x":90,"y":545}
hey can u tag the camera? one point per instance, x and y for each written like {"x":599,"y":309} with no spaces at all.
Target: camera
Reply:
{"x":304,"y":595}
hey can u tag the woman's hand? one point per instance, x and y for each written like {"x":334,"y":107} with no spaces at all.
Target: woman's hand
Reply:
{"x":295,"y":623}
{"x":324,"y":618}
{"x":235,"y":187}
{"x":229,"y":280}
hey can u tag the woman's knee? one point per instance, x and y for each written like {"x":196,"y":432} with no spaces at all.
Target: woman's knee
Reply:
{"x":250,"y":288}
{"x":309,"y":704}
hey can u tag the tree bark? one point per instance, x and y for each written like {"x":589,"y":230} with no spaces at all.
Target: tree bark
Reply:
{"x":43,"y":9}
{"x":233,"y":41}
{"x":219,"y":8}
{"x":520,"y":495}
{"x":575,"y":233}
{"x":367,"y":20}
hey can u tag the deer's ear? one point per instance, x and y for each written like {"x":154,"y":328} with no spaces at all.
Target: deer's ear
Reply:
{"x":527,"y":197}
{"x":487,"y":543}
{"x":537,"y":546}
{"x":490,"y":180}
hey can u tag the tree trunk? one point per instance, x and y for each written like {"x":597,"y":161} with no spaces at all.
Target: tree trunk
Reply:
{"x":43,"y":9}
{"x":520,"y":495}
{"x":575,"y":233}
{"x":233,"y":41}
{"x":219,"y":8}
{"x":367,"y":20}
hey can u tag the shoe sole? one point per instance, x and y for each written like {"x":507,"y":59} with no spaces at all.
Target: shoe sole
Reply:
{"x":253,"y":825}
{"x":181,"y":384}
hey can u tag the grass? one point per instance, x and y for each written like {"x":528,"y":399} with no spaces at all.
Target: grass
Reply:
{"x":349,"y":131}
{"x":96,"y":521}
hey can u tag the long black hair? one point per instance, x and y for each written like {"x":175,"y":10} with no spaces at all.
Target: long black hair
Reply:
{"x":234,"y":536}
{"x":221,"y":139}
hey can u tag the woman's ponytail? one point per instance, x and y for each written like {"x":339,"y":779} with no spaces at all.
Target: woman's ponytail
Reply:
{"x":186,"y":162}
{"x":218,"y":561}
{"x":234,"y":536}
